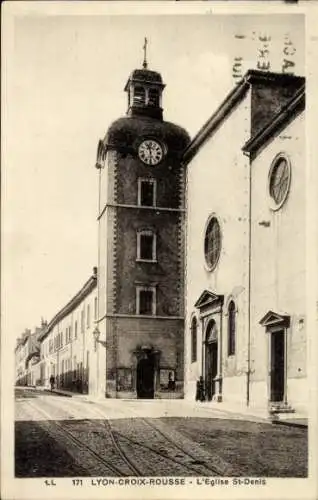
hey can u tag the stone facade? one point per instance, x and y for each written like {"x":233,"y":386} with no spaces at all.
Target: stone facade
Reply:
{"x":27,"y":356}
{"x":228,"y":305}
{"x":278,"y":275}
{"x":68,"y":346}
{"x":131,"y":337}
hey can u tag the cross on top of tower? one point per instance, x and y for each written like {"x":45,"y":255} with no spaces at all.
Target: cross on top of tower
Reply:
{"x":145,"y":64}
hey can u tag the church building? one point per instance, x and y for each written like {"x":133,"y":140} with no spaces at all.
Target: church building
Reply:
{"x":140,"y":327}
{"x":245,"y":331}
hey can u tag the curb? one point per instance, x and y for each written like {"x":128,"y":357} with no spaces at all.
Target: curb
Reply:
{"x":291,"y":424}
{"x":58,"y":393}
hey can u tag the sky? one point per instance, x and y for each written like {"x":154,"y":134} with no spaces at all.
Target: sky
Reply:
{"x":64,"y":86}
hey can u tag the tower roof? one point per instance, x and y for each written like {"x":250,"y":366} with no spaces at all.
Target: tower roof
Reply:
{"x":145,"y":76}
{"x":126,"y":130}
{"x":270,"y":92}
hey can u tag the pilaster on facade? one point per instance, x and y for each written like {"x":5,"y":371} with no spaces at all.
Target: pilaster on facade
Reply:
{"x":181,"y":241}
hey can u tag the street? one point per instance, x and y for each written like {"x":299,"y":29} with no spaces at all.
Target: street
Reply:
{"x":58,"y":436}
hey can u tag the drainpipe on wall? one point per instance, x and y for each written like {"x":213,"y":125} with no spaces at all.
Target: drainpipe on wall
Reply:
{"x":58,"y":361}
{"x":220,"y":347}
{"x":98,"y":351}
{"x":248,"y":371}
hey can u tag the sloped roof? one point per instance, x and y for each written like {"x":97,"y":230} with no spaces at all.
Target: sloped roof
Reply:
{"x":145,"y":76}
{"x":90,"y":284}
{"x":294,"y":106}
{"x":126,"y":130}
{"x":287,"y":85}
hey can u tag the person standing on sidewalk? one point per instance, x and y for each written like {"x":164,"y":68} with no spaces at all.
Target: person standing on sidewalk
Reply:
{"x":200,"y":393}
{"x":52,"y":382}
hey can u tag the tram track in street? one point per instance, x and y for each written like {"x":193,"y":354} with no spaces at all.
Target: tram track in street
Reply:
{"x":186,"y":462}
{"x":82,"y":437}
{"x":51,"y":426}
{"x":214,"y":470}
{"x":183,"y":462}
{"x":128,"y":446}
{"x":168,"y":451}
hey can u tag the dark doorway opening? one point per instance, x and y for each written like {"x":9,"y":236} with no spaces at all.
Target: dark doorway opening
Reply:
{"x":211,"y":368}
{"x":146,"y":377}
{"x":277,"y":365}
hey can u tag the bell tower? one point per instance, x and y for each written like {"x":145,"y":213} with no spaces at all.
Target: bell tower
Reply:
{"x":141,"y":246}
{"x":144,"y":89}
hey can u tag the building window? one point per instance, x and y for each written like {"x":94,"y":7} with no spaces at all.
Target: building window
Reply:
{"x":95,"y":308}
{"x":88,"y":316}
{"x":153,"y":97}
{"x":194,"y":329}
{"x":69,"y":333}
{"x":147,"y":192}
{"x":279,"y":181}
{"x":139,"y":95}
{"x":212,"y":243}
{"x":146,"y":246}
{"x":231,"y":329}
{"x":75,"y":330}
{"x":146,"y":301}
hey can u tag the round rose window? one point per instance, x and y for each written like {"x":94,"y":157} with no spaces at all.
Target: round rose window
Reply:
{"x":279,"y":181}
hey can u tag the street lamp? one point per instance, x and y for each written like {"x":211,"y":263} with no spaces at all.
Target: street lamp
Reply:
{"x":96,"y":334}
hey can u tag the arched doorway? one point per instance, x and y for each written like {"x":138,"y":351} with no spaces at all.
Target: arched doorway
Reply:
{"x":211,"y":359}
{"x":145,"y":383}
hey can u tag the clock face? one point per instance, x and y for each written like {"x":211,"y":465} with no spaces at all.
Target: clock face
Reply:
{"x":150,"y":152}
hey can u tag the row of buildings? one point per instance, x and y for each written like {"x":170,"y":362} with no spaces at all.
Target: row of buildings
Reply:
{"x":201,"y":259}
{"x":63,"y":346}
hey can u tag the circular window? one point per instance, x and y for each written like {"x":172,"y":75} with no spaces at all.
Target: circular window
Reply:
{"x":279,"y":181}
{"x":212,"y":243}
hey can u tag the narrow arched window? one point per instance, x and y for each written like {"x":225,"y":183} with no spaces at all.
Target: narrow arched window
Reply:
{"x":194,"y":328}
{"x":231,"y":328}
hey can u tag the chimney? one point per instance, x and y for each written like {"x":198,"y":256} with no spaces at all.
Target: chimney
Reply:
{"x":95,"y":271}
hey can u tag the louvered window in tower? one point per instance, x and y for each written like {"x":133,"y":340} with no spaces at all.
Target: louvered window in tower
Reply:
{"x":139,"y":96}
{"x":153,"y":97}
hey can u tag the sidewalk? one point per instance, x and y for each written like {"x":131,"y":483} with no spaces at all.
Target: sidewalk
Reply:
{"x":257,"y":414}
{"x":62,"y":392}
{"x":196,"y":409}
